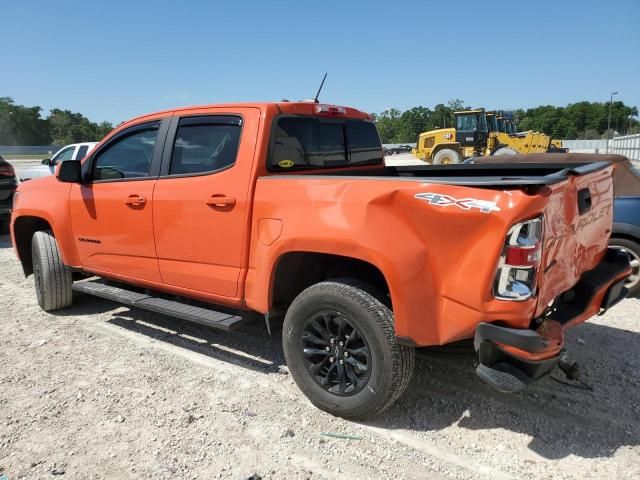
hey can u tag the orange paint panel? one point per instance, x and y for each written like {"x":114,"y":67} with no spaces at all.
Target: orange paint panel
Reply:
{"x":427,"y":254}
{"x":222,"y":279}
{"x":269,"y":230}
{"x":574,"y":243}
{"x":201,"y":245}
{"x":28,"y":203}
{"x":112,"y":235}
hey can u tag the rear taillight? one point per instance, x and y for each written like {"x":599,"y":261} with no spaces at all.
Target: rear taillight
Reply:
{"x":330,"y":110}
{"x":519,"y":262}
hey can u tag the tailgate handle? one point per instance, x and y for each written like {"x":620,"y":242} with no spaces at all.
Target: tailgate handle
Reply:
{"x":584,"y":201}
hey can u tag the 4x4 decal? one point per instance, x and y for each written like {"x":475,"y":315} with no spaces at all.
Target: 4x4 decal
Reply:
{"x":440,"y":200}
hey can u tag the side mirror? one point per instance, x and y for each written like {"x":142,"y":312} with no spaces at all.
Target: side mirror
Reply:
{"x":46,"y":161}
{"x":70,"y":171}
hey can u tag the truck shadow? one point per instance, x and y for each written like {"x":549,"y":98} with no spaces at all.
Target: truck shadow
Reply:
{"x":250,"y":347}
{"x":590,"y":419}
{"x":562,"y":418}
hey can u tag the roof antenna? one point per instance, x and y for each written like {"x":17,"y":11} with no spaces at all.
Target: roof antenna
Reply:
{"x":315,"y":100}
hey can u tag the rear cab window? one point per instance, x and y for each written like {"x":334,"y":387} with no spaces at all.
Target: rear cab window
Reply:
{"x":300,"y":142}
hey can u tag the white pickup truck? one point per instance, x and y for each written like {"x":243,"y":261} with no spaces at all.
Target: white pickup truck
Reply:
{"x":75,"y":151}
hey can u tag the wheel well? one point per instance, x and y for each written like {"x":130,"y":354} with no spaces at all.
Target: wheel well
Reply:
{"x":298,"y":270}
{"x":23,"y":230}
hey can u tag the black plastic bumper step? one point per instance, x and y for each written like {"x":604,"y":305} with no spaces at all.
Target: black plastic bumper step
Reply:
{"x":503,"y":381}
{"x":203,"y":316}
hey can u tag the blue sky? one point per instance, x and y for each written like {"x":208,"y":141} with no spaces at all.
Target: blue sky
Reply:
{"x":112,"y":60}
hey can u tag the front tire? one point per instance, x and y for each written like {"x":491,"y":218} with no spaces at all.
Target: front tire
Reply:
{"x":53,"y":278}
{"x":339,"y":344}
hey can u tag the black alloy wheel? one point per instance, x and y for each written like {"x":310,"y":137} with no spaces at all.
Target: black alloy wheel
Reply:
{"x":336,"y":354}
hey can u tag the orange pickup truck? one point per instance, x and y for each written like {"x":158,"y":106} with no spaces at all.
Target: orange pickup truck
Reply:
{"x":287,"y":209}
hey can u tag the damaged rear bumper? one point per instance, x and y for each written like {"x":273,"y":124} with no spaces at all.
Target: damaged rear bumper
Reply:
{"x":509,"y":359}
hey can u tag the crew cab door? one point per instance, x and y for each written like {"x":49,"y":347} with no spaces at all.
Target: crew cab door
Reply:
{"x":201,"y":202}
{"x":111,"y":213}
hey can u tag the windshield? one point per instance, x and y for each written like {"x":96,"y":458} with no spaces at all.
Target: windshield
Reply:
{"x":308,"y":142}
{"x":466,"y":122}
{"x":492,"y":125}
{"x":482,"y":122}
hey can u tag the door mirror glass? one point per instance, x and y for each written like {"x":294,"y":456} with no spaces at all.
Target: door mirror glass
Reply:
{"x":46,"y":161}
{"x":70,"y":171}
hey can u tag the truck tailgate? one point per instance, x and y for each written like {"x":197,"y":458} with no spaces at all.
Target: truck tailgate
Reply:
{"x":577,"y":226}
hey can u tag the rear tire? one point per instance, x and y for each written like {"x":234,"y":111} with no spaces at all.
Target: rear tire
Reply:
{"x":375,"y":370}
{"x":633,"y":250}
{"x":446,"y":156}
{"x":53,"y":278}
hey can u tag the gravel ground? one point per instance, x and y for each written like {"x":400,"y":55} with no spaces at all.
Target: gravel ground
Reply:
{"x":101,"y":390}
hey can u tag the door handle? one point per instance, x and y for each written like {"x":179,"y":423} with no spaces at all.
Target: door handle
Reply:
{"x":584,"y":201}
{"x":220,"y":200}
{"x":135,"y":200}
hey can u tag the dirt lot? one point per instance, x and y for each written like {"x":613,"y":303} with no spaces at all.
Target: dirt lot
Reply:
{"x":106,"y":391}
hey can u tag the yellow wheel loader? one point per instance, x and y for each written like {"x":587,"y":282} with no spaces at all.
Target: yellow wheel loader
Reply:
{"x":503,"y":139}
{"x":445,"y":146}
{"x":478,"y":133}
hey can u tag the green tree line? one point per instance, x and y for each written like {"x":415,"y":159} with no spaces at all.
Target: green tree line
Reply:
{"x":20,"y":125}
{"x":582,"y":120}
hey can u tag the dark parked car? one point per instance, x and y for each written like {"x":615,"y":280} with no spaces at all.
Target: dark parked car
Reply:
{"x":395,"y":150}
{"x":626,"y":207}
{"x":626,"y":234}
{"x":8,"y":185}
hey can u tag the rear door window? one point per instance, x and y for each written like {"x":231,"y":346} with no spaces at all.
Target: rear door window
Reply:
{"x":307,"y":142}
{"x":364,"y":142}
{"x":205,"y":144}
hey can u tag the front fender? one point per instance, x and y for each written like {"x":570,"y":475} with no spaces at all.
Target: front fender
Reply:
{"x":47,"y":199}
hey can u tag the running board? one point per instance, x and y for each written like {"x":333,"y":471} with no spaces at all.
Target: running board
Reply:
{"x":203,"y":316}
